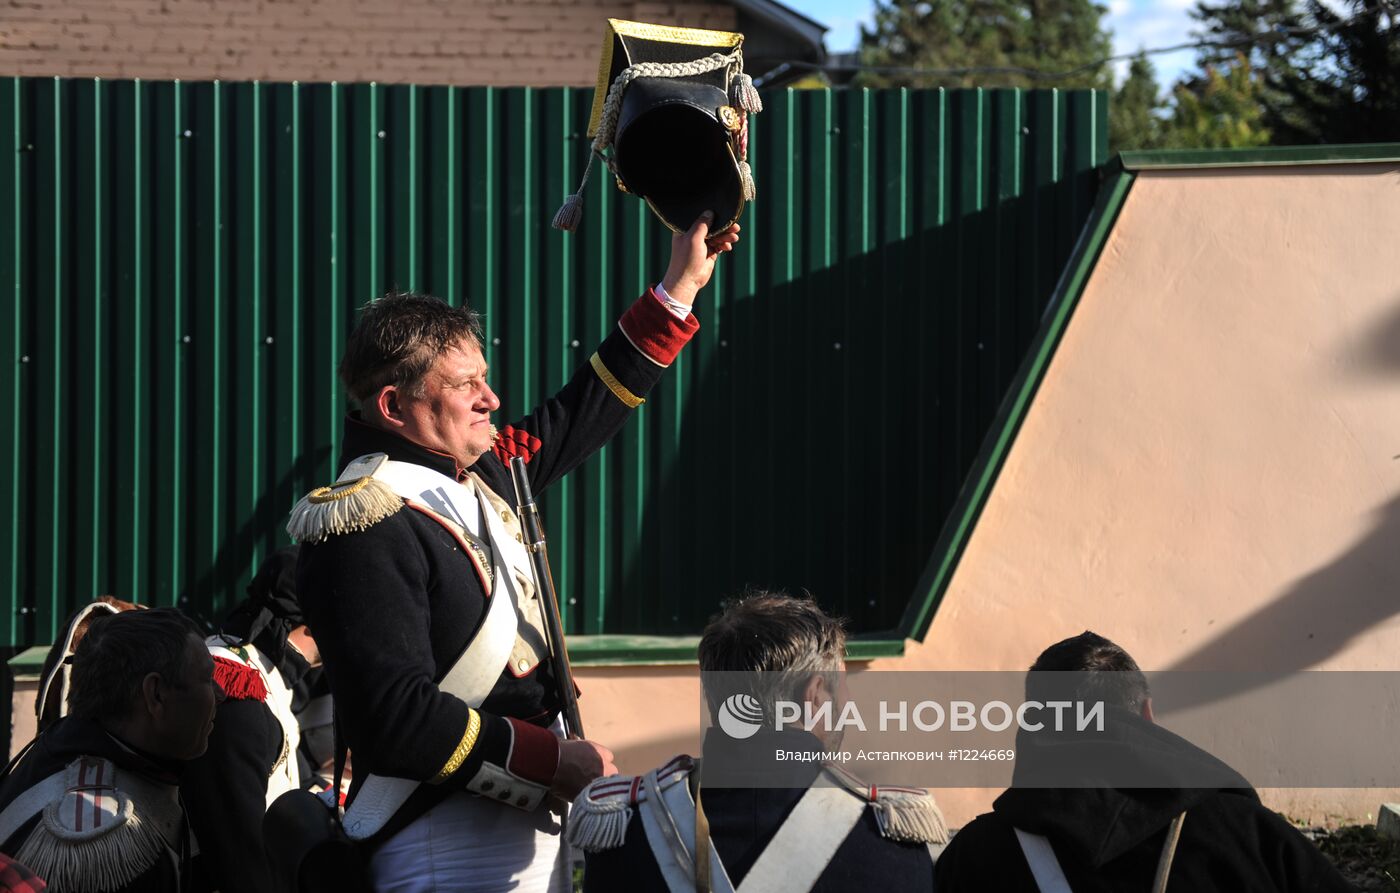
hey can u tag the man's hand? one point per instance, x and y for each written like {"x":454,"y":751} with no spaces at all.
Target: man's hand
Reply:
{"x":693,"y":257}
{"x":579,"y":763}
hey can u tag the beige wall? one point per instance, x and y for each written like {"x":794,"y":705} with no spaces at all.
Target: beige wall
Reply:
{"x":469,"y":42}
{"x":1208,"y":474}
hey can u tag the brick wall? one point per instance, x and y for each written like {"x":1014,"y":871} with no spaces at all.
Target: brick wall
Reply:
{"x":468,"y":42}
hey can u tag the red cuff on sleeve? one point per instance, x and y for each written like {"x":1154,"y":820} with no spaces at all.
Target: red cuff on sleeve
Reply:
{"x":534,"y":754}
{"x":656,"y":331}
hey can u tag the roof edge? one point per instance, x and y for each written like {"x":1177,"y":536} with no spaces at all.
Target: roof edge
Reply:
{"x":1265,"y":156}
{"x":810,"y":31}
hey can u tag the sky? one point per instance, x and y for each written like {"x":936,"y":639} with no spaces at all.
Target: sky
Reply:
{"x":1135,"y":24}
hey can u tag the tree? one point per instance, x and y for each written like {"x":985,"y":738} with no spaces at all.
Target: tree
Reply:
{"x":1221,"y":110}
{"x":1135,"y":111}
{"x":1355,"y":98}
{"x":1043,"y":35}
{"x":1322,"y":77}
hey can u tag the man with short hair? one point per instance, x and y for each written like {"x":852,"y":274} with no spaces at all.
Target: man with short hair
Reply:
{"x":414,"y":577}
{"x":821,"y":830}
{"x":93,"y":803}
{"x":1054,"y":826}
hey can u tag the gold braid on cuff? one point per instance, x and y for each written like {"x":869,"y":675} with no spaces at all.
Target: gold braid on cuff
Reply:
{"x":464,"y":747}
{"x":629,"y":399}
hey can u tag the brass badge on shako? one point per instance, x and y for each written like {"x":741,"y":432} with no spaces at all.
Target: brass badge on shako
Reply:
{"x":729,"y":117}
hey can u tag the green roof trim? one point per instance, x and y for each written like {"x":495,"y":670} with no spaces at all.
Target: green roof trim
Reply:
{"x":1268,"y":156}
{"x":956,"y":532}
{"x":624,"y":651}
{"x":29,"y":663}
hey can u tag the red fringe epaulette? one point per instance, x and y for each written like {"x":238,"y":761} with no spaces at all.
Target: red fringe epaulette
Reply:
{"x":240,"y":682}
{"x":515,"y":442}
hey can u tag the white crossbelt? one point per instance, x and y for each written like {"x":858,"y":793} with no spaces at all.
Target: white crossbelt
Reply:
{"x":793,"y":860}
{"x":476,"y":671}
{"x":29,"y":804}
{"x":1045,"y":868}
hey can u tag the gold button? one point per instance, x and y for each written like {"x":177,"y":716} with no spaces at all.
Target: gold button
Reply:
{"x":523,"y":665}
{"x":519,"y":538}
{"x":505,"y":516}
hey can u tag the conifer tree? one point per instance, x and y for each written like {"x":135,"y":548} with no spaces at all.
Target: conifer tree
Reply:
{"x":1041,"y":35}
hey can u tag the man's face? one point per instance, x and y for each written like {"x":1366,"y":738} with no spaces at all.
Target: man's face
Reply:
{"x":453,"y":415}
{"x":188,"y":705}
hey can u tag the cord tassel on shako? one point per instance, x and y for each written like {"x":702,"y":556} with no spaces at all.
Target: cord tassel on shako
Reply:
{"x":661,"y":94}
{"x":746,"y":95}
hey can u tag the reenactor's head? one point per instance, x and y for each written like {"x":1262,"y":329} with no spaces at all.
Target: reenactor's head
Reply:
{"x":773,"y":647}
{"x":147,"y":678}
{"x":1088,"y":667}
{"x":415,"y":365}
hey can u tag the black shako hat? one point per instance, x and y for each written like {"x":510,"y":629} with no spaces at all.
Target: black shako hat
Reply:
{"x":670,"y":120}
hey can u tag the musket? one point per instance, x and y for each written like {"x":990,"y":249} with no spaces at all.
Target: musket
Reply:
{"x":549,"y":599}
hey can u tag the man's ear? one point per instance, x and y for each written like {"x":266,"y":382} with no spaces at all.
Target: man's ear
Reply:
{"x":153,"y":693}
{"x":1147,"y":711}
{"x":388,"y":405}
{"x":815,"y":692}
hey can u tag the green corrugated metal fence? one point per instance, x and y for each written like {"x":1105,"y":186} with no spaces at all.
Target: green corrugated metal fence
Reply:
{"x":181,"y":262}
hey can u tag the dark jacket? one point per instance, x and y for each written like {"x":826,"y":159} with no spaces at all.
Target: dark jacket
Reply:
{"x":1109,"y":839}
{"x":743,"y":820}
{"x":70,"y":738}
{"x":394,"y":605}
{"x":225,"y":790}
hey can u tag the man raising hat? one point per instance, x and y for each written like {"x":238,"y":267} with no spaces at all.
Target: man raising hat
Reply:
{"x":413,"y":576}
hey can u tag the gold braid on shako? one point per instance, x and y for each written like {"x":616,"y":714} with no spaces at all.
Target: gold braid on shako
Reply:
{"x":670,"y":121}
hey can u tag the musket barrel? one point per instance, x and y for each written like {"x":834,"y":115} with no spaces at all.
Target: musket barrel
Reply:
{"x":545,"y":592}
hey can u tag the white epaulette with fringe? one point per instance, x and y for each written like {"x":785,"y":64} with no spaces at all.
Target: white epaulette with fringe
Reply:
{"x":602,"y":811}
{"x":106,"y":828}
{"x":910,"y":815}
{"x":356,"y":501}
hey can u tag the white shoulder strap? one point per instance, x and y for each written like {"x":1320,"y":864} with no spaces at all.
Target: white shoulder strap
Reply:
{"x":1045,"y":868}
{"x":29,"y":804}
{"x":442,"y":494}
{"x":668,"y":817}
{"x":804,"y":846}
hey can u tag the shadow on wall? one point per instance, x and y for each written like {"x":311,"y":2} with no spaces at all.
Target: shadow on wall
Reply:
{"x":1317,"y":616}
{"x":1379,"y":353}
{"x":1322,"y":612}
{"x":833,"y":418}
